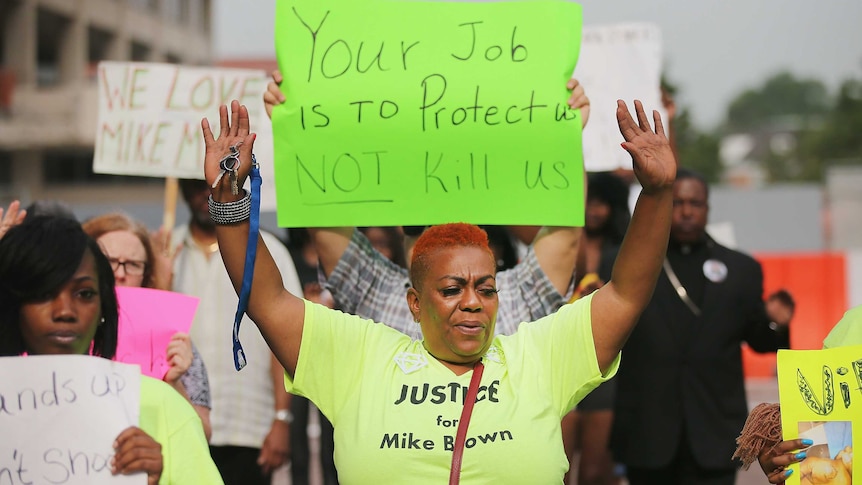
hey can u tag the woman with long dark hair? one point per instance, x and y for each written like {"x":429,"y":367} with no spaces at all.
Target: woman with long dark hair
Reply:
{"x":57,"y":297}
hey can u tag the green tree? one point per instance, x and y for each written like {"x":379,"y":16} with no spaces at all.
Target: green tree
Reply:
{"x":780,"y":96}
{"x":826,"y":128}
{"x":694,"y":149}
{"x":840,"y":138}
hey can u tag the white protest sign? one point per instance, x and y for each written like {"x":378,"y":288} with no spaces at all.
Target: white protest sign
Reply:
{"x":60,"y":415}
{"x":620,"y":61}
{"x":150,"y":118}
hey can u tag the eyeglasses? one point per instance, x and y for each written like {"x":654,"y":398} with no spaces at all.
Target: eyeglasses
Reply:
{"x":131,"y":267}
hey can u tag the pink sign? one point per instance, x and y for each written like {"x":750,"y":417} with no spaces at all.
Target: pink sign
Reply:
{"x":148,"y":320}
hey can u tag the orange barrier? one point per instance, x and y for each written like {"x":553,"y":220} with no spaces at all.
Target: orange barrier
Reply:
{"x":818,"y":283}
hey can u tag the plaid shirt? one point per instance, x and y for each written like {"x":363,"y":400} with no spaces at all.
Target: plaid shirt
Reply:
{"x":367,"y":284}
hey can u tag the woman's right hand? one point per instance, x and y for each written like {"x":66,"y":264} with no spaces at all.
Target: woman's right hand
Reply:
{"x":775,"y":460}
{"x":273,"y":94}
{"x":234,"y":131}
{"x":136,"y":451}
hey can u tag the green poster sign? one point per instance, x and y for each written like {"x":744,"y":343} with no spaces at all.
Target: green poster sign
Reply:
{"x":412,"y":113}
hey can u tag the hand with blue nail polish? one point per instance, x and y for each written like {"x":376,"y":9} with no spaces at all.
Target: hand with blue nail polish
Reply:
{"x":774,"y":461}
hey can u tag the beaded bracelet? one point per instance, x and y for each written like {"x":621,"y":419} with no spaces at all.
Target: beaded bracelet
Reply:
{"x":227,"y":213}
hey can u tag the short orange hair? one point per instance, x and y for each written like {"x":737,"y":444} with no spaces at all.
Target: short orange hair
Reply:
{"x":445,"y":236}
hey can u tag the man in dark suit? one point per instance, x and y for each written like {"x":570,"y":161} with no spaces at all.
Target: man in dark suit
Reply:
{"x":680,"y":399}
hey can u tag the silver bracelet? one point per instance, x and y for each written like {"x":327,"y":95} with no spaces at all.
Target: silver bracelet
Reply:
{"x":227,"y":213}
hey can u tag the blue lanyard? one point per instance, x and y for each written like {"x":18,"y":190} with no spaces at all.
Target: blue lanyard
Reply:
{"x":239,"y":359}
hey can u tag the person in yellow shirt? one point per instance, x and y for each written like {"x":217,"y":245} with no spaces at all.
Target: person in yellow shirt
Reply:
{"x":57,"y":297}
{"x":461,"y":402}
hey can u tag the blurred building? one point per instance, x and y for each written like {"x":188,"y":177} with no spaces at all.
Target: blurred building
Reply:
{"x":49,"y":50}
{"x":748,"y":158}
{"x":844,"y":222}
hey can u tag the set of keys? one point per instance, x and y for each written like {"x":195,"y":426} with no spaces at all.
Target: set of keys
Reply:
{"x":230,"y":165}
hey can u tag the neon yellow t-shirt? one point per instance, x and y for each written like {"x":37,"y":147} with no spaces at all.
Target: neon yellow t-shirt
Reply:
{"x":395,"y":407}
{"x":170,"y":420}
{"x":848,"y":330}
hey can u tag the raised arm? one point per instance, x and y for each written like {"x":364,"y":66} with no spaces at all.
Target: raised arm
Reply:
{"x":330,"y":244}
{"x":556,"y":247}
{"x":617,"y":306}
{"x":556,"y":251}
{"x":278,"y":314}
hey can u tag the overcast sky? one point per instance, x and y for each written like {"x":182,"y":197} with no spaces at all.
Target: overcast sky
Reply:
{"x":713,"y":49}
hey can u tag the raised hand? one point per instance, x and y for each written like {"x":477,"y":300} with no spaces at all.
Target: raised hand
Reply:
{"x":233,"y":132}
{"x":579,"y":100}
{"x":164,"y":256}
{"x":273,"y":95}
{"x":653,"y":160}
{"x":14,"y":216}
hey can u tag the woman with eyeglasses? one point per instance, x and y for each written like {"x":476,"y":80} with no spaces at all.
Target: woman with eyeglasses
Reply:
{"x":129,"y":248}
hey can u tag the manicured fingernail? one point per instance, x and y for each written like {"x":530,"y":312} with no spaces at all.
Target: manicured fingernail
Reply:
{"x":788,"y":472}
{"x":807,"y":442}
{"x":801,"y":455}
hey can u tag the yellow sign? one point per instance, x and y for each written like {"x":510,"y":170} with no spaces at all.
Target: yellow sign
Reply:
{"x":821,"y":399}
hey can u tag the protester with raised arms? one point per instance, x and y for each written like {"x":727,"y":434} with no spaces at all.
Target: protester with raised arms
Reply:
{"x":395,"y":402}
{"x":365,"y":282}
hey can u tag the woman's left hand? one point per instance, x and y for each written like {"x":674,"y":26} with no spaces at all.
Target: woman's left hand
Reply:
{"x":136,"y":451}
{"x":179,"y":356}
{"x":273,"y":95}
{"x":652,"y":157}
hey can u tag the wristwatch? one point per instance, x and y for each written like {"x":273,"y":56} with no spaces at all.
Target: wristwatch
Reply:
{"x":284,"y":415}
